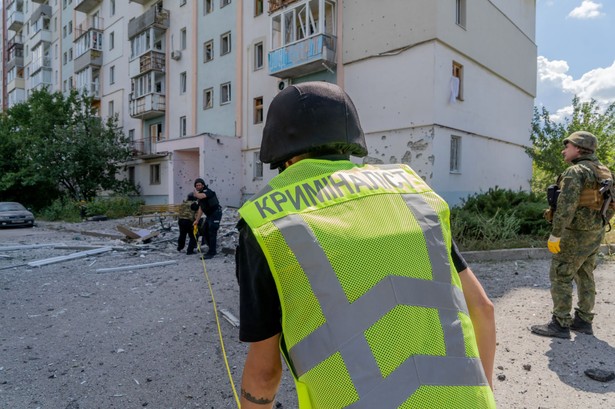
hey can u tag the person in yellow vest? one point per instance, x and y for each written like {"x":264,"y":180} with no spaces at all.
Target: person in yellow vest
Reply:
{"x":350,"y":272}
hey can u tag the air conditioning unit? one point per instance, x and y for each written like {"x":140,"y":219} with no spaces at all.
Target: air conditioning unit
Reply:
{"x":283,"y":84}
{"x":176,"y":55}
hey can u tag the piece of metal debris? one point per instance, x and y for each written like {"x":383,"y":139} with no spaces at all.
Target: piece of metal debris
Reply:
{"x":73,"y":256}
{"x":229,"y":317}
{"x":135,"y":267}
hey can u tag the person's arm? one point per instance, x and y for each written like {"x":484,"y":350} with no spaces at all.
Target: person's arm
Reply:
{"x":482,"y":314}
{"x":199,"y":213}
{"x":262,"y":372}
{"x":199,"y":195}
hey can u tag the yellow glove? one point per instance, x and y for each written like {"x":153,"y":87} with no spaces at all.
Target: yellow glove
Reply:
{"x":553,"y":244}
{"x":195,"y":230}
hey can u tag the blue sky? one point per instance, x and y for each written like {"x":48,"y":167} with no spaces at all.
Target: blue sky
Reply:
{"x":576,"y":53}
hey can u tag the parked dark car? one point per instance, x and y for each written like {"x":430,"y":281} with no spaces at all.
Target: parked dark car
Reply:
{"x":14,"y":214}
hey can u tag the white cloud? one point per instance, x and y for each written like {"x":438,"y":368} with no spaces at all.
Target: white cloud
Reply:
{"x":559,"y":87}
{"x":587,"y":10}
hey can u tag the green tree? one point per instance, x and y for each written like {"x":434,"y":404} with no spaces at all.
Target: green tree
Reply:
{"x":548,"y":136}
{"x":61,"y":143}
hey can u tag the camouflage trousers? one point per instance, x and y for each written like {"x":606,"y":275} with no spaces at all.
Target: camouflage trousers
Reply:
{"x":576,"y":262}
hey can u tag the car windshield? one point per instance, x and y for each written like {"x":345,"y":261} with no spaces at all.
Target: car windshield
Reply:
{"x":11,"y":207}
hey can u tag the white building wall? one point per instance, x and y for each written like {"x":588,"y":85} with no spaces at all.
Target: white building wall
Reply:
{"x":399,"y":78}
{"x":256,"y":83}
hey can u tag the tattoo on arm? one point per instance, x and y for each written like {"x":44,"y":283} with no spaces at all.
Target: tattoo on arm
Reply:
{"x":253,"y":399}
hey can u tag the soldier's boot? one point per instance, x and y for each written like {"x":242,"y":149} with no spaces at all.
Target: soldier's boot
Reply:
{"x":579,"y":325}
{"x":553,"y":329}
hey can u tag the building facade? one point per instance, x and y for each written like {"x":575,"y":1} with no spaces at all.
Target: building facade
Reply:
{"x":444,"y":86}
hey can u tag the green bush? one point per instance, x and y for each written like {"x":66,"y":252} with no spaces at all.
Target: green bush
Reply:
{"x":499,"y":218}
{"x":61,"y":209}
{"x":113,"y":207}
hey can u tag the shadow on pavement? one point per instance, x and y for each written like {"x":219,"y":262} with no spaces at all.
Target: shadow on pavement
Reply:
{"x":570,"y":366}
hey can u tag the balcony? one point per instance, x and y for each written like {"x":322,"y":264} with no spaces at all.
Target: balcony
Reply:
{"x":40,"y":63}
{"x":14,"y":58}
{"x":16,"y":83}
{"x":43,"y":9}
{"x":14,"y":49}
{"x":275,"y":5}
{"x":304,"y":57}
{"x":141,"y":147}
{"x":16,"y":41}
{"x":16,"y":96}
{"x":40,"y":80}
{"x":89,"y":58}
{"x":15,"y":21}
{"x":40,"y":36}
{"x":151,"y":61}
{"x":92,"y":23}
{"x":85,"y":6}
{"x":147,"y":106}
{"x":154,"y":17}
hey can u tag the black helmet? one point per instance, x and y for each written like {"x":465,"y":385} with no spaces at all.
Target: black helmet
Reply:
{"x":199,"y":180}
{"x":311,"y":116}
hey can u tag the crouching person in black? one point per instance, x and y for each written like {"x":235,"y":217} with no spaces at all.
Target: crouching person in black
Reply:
{"x":210,"y":206}
{"x":187,"y":211}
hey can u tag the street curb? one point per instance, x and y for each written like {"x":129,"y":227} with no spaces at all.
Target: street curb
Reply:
{"x":518,"y":254}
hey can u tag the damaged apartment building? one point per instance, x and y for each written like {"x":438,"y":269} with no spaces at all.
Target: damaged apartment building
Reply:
{"x":445,"y":86}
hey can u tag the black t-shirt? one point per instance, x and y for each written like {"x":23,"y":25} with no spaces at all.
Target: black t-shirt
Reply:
{"x":210,"y":204}
{"x":259,"y":304}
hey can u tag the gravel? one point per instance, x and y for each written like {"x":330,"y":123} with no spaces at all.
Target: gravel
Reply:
{"x":94,"y":332}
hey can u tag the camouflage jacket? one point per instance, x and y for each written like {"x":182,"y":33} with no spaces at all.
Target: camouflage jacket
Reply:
{"x":569,"y":215}
{"x":185,"y":212}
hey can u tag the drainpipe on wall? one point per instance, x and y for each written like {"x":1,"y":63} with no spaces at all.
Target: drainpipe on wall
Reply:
{"x":239,"y":69}
{"x":338,"y":46}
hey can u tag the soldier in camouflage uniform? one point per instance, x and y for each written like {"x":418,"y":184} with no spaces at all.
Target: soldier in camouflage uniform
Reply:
{"x":578,"y":230}
{"x":187,"y":212}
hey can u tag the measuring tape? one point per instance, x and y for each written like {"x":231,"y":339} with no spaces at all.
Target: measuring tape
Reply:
{"x":213,"y":300}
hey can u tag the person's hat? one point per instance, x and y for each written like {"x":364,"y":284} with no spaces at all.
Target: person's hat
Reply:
{"x":583,"y":139}
{"x":199,"y":180}
{"x":311,"y":117}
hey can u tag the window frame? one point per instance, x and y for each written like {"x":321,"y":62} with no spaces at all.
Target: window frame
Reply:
{"x":183,"y":82}
{"x":258,"y":110}
{"x":455,"y":154}
{"x":183,"y":38}
{"x":154,"y":174}
{"x":208,"y":7}
{"x":225,"y":39}
{"x":460,"y":13}
{"x":259,"y":7}
{"x":208,"y":98}
{"x":226,"y":93}
{"x":182,"y":126}
{"x":259,"y":56}
{"x":208,"y":45}
{"x":458,"y":72}
{"x":258,"y":166}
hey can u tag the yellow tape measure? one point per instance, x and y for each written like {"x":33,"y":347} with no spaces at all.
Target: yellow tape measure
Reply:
{"x":213,"y":300}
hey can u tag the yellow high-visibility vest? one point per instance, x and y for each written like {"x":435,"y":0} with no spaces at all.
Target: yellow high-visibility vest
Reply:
{"x":373,"y":315}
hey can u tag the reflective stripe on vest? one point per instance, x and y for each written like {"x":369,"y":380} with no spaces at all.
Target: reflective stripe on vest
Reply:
{"x":277,"y":210}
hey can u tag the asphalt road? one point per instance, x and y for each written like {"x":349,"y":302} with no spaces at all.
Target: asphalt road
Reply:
{"x":75,"y":337}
